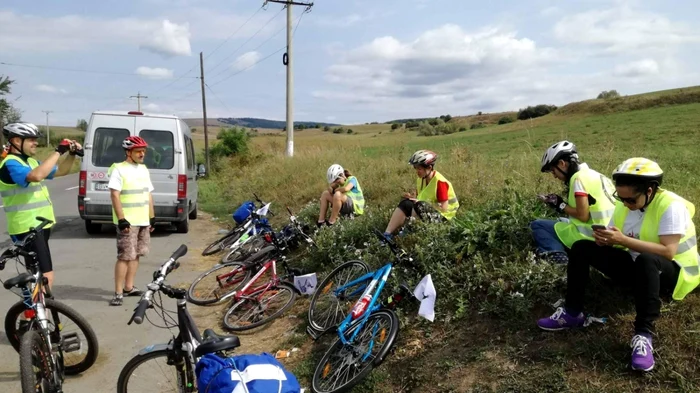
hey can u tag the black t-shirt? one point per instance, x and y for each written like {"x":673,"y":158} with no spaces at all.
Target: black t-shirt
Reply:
{"x":5,"y":173}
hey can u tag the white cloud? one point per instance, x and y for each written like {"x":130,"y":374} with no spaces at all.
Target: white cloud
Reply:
{"x":246,"y":61}
{"x":641,"y":68}
{"x":50,"y":89}
{"x":170,"y":40}
{"x":155,"y":73}
{"x":550,"y":11}
{"x":623,"y":29}
{"x":344,"y":21}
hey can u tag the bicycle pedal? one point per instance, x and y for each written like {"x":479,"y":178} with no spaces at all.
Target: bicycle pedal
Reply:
{"x":71,"y":342}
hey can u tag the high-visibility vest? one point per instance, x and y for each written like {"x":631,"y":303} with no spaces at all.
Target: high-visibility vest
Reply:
{"x":599,"y":187}
{"x":23,"y":204}
{"x":687,"y":252}
{"x":358,"y":198}
{"x":428,"y":193}
{"x":134,"y":194}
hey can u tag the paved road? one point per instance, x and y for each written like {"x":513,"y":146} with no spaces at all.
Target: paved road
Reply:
{"x":84,"y":266}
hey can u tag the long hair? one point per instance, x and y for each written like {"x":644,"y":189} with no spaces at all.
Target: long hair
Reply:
{"x":347,"y":173}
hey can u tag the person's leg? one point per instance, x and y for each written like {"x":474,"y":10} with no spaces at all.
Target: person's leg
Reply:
{"x":43,"y":254}
{"x":126,"y":253}
{"x":546,"y":237}
{"x":398,"y":218}
{"x":339,"y":199}
{"x":325,"y":200}
{"x":143,"y":243}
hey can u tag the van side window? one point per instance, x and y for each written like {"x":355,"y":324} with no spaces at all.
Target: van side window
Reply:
{"x":190,"y":154}
{"x":161,"y":151}
{"x":107,"y":146}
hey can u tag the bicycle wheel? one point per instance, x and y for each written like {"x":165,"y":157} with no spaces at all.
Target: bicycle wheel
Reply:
{"x":218,"y":283}
{"x":260,"y":308}
{"x":80,"y":345}
{"x":245,"y":250}
{"x":156,"y":371}
{"x":222,"y":242}
{"x":35,"y":364}
{"x":328,"y":309}
{"x":343,"y":367}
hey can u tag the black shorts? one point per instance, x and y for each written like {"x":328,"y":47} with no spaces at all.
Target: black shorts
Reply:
{"x":423,"y":210}
{"x":40,"y":246}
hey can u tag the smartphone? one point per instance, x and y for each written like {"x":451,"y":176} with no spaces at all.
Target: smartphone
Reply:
{"x":597,"y":227}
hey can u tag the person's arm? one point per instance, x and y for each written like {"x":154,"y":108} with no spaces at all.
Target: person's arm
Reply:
{"x":65,"y":167}
{"x":582,"y":210}
{"x":442,"y":196}
{"x":115,"y":190}
{"x":667,"y":246}
{"x":44,"y":169}
{"x":351,"y":184}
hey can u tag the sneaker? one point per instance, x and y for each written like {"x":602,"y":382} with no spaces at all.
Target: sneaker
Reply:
{"x":133,"y":292}
{"x":117,"y":300}
{"x":560,"y":320}
{"x":642,"y":356}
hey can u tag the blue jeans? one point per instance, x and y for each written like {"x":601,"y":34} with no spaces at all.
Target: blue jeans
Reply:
{"x":545,"y":237}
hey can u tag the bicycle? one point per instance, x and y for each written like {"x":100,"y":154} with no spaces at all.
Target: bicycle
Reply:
{"x":232,"y":276}
{"x":181,"y":353}
{"x":40,"y":338}
{"x":366,"y":333}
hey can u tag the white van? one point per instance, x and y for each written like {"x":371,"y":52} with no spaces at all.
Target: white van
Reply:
{"x":170,"y":160}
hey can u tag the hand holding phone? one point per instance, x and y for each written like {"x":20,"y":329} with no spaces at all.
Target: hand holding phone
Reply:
{"x":597,"y":227}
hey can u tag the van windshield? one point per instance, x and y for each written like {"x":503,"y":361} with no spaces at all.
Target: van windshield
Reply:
{"x":107,"y":146}
{"x":160,"y":153}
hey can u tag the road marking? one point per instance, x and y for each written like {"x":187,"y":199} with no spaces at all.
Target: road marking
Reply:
{"x":72,"y":188}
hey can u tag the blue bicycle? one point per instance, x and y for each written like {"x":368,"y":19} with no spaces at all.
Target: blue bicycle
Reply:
{"x":348,"y":301}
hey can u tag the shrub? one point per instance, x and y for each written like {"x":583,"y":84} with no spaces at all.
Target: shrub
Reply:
{"x":326,"y":128}
{"x":446,"y":129}
{"x":425,"y":129}
{"x":412,"y":124}
{"x":82,"y":125}
{"x":505,"y":120}
{"x":608,"y":94}
{"x":433,"y":122}
{"x":231,"y":141}
{"x":462,"y":129}
{"x":394,"y":126}
{"x":349,"y":131}
{"x":477,"y":125}
{"x":338,"y":130}
{"x":532,"y":112}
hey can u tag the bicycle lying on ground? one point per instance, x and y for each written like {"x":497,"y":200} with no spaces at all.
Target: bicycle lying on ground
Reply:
{"x":366,"y":333}
{"x":48,"y":348}
{"x":179,"y":356}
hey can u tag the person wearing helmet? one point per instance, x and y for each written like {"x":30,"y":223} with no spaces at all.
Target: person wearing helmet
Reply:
{"x":132,"y":212}
{"x":433,"y":193}
{"x":649,"y":245}
{"x":24,"y":195}
{"x":588,"y":202}
{"x":344,"y":196}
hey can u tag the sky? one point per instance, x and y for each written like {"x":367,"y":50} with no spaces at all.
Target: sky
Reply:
{"x":354,"y":61}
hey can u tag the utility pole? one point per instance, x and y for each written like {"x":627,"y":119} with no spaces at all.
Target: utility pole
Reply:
{"x":204,"y":112}
{"x":287,"y":60}
{"x":139,"y":97}
{"x":48,"y":133}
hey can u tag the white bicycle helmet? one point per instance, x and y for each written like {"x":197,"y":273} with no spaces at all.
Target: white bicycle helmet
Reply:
{"x":334,"y":172}
{"x":556,"y":152}
{"x":22,"y":130}
{"x":423,"y":157}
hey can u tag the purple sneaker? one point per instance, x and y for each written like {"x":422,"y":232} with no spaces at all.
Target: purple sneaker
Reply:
{"x":560,"y":320}
{"x":642,"y":356}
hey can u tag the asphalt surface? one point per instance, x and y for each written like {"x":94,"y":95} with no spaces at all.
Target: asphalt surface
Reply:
{"x":84,"y":279}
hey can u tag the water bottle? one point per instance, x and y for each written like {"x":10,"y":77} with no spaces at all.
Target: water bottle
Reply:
{"x":361,"y":306}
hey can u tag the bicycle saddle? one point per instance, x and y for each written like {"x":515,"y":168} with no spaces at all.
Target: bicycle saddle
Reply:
{"x":19,"y":281}
{"x":215,"y":343}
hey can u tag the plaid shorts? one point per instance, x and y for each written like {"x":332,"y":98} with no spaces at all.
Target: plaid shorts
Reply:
{"x":133,"y":244}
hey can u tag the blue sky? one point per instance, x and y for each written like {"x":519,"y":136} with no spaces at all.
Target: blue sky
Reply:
{"x":355,"y":61}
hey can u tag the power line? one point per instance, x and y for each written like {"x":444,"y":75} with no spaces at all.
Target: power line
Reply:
{"x":219,"y":99}
{"x":70,"y":69}
{"x":250,"y":66}
{"x":234,"y":33}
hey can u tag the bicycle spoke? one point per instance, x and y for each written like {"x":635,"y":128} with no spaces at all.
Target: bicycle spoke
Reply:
{"x":330,"y":309}
{"x":258,"y":307}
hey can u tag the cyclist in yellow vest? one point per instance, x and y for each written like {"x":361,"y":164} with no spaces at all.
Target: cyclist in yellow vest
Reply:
{"x":344,"y":196}
{"x":649,"y":245}
{"x":24,"y":195}
{"x":434,"y":194}
{"x":132,"y":213}
{"x":588,"y":202}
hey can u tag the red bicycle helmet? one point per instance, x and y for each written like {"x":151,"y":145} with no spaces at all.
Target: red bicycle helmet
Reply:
{"x":134,"y":142}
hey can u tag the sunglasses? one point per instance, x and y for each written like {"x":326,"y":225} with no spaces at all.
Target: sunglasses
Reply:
{"x":629,"y":201}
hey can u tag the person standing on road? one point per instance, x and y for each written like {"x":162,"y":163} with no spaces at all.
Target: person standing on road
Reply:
{"x":24,"y":195}
{"x":132,"y":212}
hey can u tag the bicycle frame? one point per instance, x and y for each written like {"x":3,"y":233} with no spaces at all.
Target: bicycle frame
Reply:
{"x":246,"y":291}
{"x":379,"y":278}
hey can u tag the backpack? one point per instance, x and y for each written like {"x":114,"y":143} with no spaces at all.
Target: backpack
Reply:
{"x":244,"y":374}
{"x":243,"y":212}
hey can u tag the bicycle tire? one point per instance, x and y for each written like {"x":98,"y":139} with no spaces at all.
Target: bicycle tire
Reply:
{"x":245,"y":250}
{"x":28,"y":376}
{"x":136,"y":361}
{"x":192,"y":294}
{"x":282,"y":285}
{"x":80,"y":321}
{"x":369,"y":366}
{"x":222,"y":242}
{"x":324,"y":289}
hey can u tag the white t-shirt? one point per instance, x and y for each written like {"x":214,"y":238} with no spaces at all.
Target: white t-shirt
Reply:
{"x":115,"y":181}
{"x":579,"y":189}
{"x":674,"y":221}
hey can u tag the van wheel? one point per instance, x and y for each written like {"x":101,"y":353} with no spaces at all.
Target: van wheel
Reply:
{"x":193,"y":213}
{"x":184,"y":225}
{"x":92,"y":229}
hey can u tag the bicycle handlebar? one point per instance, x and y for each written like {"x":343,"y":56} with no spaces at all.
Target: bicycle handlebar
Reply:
{"x":140,"y":312}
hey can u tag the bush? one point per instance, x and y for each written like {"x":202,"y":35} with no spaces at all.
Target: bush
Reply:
{"x":425,"y":129}
{"x":326,"y":129}
{"x":412,"y":124}
{"x":338,"y":130}
{"x":532,"y":112}
{"x":349,"y":131}
{"x":82,"y":125}
{"x":446,"y":118}
{"x":604,"y":95}
{"x":231,"y":141}
{"x":433,"y":122}
{"x":446,"y":128}
{"x":505,"y":120}
{"x":477,"y":125}
{"x":462,"y":129}
{"x":394,"y":126}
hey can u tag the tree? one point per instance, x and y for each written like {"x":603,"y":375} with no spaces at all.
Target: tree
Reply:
{"x":395,"y":126}
{"x":6,"y":108}
{"x":326,"y":129}
{"x":608,"y":94}
{"x":13,"y":114}
{"x":505,"y":120}
{"x":532,"y":112}
{"x":350,"y":131}
{"x":82,"y":125}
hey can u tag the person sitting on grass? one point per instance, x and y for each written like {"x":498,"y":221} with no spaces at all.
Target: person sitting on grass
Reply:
{"x":588,"y":202}
{"x":649,"y":246}
{"x":344,"y":196}
{"x":434,"y":194}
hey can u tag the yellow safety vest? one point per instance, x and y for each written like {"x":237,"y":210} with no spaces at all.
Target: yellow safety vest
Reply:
{"x":599,"y":187}
{"x":134,"y":195}
{"x":358,"y":198}
{"x":428,"y":193}
{"x":23,"y":204}
{"x":687,"y":253}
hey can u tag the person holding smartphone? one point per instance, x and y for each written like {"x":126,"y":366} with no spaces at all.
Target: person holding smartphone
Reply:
{"x":344,"y":196}
{"x":649,"y":245}
{"x":588,"y":202}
